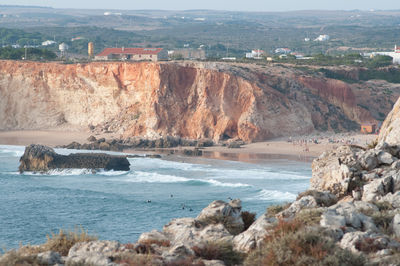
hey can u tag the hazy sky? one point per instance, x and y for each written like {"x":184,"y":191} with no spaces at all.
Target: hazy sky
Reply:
{"x":241,"y":5}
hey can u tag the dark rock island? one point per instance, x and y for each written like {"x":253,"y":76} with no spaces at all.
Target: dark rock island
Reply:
{"x":43,"y":158}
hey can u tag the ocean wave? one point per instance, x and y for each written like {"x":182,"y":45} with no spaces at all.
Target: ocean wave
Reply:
{"x":154,"y":163}
{"x":255,"y":174}
{"x":11,"y":151}
{"x":112,"y":173}
{"x":146,"y":177}
{"x":275,"y":195}
{"x":63,"y":172}
{"x":222,"y":184}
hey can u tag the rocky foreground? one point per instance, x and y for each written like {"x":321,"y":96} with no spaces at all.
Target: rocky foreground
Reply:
{"x":41,"y":158}
{"x":350,"y":216}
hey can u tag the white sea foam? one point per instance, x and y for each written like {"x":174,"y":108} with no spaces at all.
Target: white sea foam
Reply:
{"x":151,"y":163}
{"x":266,"y":194}
{"x":112,"y":173}
{"x":146,"y":177}
{"x":222,"y":184}
{"x":63,"y":172}
{"x":13,"y":151}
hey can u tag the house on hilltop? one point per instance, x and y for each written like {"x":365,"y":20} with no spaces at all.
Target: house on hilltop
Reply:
{"x":132,"y":54}
{"x":255,"y":54}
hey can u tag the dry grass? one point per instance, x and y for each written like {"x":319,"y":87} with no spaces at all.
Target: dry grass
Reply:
{"x":368,"y":245}
{"x":131,"y":259}
{"x":275,"y":209}
{"x":61,"y":242}
{"x":309,"y":216}
{"x":291,"y":243}
{"x":219,"y":251}
{"x":372,"y":144}
{"x":64,"y":240}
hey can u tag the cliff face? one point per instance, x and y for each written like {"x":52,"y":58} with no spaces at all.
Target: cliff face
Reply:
{"x":188,"y":100}
{"x":390,"y":130}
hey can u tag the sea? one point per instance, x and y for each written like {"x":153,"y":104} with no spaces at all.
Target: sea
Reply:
{"x":120,"y":205}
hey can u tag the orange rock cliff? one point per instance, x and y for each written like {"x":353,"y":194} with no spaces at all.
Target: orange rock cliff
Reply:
{"x":190,"y":100}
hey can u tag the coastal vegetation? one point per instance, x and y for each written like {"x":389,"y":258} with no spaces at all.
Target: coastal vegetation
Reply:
{"x":292,"y":243}
{"x":31,"y":54}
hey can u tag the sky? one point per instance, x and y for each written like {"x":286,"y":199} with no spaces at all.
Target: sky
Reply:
{"x":234,"y":5}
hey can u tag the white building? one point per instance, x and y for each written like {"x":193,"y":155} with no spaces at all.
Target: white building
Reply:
{"x":283,"y":51}
{"x":48,"y":42}
{"x":255,"y":54}
{"x":322,"y":38}
{"x":395,"y":55}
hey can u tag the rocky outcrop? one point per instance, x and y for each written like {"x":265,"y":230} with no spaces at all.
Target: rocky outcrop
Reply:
{"x":390,"y":130}
{"x":42,"y":158}
{"x":188,"y":100}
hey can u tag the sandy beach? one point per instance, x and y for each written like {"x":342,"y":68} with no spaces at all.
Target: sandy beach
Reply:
{"x":297,"y":148}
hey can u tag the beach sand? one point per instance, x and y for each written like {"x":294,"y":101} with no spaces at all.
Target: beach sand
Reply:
{"x":295,"y":148}
{"x":50,"y":138}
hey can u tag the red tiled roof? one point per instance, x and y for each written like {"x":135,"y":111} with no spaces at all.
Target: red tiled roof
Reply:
{"x":109,"y":51}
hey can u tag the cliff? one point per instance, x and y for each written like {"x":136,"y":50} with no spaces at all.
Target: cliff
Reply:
{"x":195,"y":100}
{"x":390,"y":130}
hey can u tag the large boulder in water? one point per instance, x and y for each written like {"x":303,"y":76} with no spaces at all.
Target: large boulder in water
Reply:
{"x":43,"y":158}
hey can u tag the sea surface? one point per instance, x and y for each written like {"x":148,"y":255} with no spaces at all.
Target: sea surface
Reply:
{"x":120,"y":205}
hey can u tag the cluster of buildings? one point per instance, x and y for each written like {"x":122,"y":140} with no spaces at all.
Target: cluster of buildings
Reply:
{"x":149,"y":54}
{"x":132,"y":54}
{"x":395,"y":54}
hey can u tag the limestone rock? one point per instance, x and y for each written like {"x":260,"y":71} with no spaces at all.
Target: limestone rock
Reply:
{"x":385,"y":158}
{"x":332,"y":171}
{"x":346,"y":214}
{"x":153,"y":236}
{"x":369,"y":160}
{"x":49,"y":258}
{"x":396,"y":225}
{"x":190,"y":232}
{"x":323,"y":198}
{"x":390,"y":129}
{"x":298,"y":205}
{"x":226,"y":213}
{"x":94,"y":253}
{"x":254,"y":235}
{"x":392,"y":198}
{"x":351,"y":240}
{"x":377,"y":188}
{"x":177,"y":253}
{"x":43,"y":158}
{"x":213,"y":263}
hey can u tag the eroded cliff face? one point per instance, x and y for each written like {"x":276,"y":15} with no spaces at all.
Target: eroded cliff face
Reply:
{"x":197,"y":100}
{"x":390,"y":131}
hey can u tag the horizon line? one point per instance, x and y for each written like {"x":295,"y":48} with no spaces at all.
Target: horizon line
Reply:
{"x":206,"y":9}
